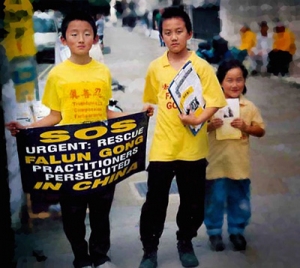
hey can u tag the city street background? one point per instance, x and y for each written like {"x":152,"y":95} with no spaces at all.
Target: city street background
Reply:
{"x":273,"y":233}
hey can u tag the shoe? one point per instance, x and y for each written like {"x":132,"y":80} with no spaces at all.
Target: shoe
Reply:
{"x":107,"y":264}
{"x":149,"y":260}
{"x":186,"y":254}
{"x":263,"y":69}
{"x":83,"y":263}
{"x":284,"y":74}
{"x":254,"y":72}
{"x":216,"y":243}
{"x":238,"y":241}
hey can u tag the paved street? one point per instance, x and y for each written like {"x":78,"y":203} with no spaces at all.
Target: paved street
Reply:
{"x":273,"y":234}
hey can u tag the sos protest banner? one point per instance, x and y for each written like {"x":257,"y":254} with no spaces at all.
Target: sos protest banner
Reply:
{"x":80,"y":159}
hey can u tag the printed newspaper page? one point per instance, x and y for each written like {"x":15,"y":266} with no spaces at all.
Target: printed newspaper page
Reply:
{"x":186,"y":91}
{"x":227,"y":114}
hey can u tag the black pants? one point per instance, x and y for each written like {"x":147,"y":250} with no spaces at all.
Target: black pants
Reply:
{"x":279,"y":62}
{"x":190,"y":178}
{"x":73,"y":210}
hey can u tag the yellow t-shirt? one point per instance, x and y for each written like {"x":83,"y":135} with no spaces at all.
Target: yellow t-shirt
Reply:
{"x":230,"y":158}
{"x":172,"y":140}
{"x":80,"y":92}
{"x":285,"y":41}
{"x":248,"y":40}
{"x":282,"y":41}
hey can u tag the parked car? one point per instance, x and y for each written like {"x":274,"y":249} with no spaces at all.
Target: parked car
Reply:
{"x":45,"y":36}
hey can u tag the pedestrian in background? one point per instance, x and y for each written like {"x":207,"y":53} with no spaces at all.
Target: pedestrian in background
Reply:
{"x":228,"y":183}
{"x":260,"y":52}
{"x":248,"y":38}
{"x":247,"y":42}
{"x":83,"y":76}
{"x":146,"y":19}
{"x":284,"y":48}
{"x":175,"y":151}
{"x":157,"y":21}
{"x":100,"y":24}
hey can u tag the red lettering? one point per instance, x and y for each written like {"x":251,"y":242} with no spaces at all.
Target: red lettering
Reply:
{"x":171,"y":105}
{"x":73,"y":94}
{"x":86,"y":93}
{"x":165,"y":86}
{"x":168,"y":96}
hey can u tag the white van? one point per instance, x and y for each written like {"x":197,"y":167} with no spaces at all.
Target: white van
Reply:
{"x":45,"y":36}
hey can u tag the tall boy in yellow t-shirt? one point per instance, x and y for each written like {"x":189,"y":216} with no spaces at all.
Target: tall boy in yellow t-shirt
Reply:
{"x":175,"y":151}
{"x":77,"y":91}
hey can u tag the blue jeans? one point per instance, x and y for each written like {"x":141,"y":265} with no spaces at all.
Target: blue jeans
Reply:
{"x":230,"y":195}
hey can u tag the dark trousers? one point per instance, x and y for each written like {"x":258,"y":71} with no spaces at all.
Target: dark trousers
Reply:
{"x":73,"y":210}
{"x":190,"y":178}
{"x":279,"y":62}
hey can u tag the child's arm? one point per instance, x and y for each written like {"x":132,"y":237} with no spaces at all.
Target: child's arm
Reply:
{"x":112,"y":114}
{"x":53,"y":118}
{"x":253,"y":130}
{"x":191,"y":119}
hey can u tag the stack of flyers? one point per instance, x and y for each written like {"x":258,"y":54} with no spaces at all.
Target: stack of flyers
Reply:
{"x":186,"y":91}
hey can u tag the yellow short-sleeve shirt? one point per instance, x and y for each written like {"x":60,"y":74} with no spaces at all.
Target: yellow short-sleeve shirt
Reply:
{"x":230,"y":158}
{"x":172,"y":140}
{"x":248,"y":40}
{"x":80,"y":92}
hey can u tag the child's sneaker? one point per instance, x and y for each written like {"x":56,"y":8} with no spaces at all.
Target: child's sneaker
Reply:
{"x":107,"y":264}
{"x":186,"y":254}
{"x":216,"y":243}
{"x":149,"y":260}
{"x":238,"y":241}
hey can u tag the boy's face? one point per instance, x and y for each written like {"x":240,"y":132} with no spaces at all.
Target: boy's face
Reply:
{"x":175,"y":35}
{"x":280,"y":29}
{"x":79,"y":37}
{"x":264,"y":29}
{"x":243,"y":29}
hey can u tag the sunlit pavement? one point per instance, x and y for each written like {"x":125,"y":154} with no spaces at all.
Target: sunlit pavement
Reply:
{"x":273,"y":234}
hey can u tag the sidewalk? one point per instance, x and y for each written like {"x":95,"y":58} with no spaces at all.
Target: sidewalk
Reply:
{"x":273,"y":234}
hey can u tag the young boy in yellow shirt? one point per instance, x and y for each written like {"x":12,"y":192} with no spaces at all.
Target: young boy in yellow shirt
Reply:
{"x":78,"y":84}
{"x":175,"y":151}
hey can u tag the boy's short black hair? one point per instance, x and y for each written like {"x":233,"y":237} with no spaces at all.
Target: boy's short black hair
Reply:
{"x":77,"y":15}
{"x":226,"y":66}
{"x":175,"y":12}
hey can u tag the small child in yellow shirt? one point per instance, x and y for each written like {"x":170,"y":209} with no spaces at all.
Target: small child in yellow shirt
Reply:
{"x":227,"y":175}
